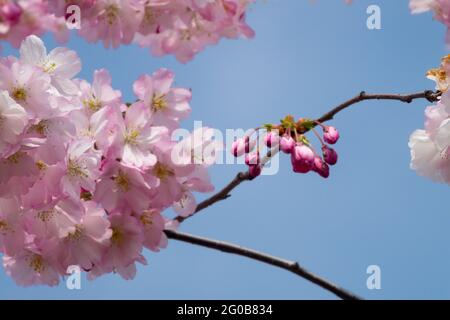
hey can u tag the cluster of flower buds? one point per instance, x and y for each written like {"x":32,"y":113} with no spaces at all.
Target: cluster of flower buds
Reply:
{"x":289,"y":137}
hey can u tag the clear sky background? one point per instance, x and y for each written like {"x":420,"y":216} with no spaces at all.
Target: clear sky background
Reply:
{"x":306,"y":58}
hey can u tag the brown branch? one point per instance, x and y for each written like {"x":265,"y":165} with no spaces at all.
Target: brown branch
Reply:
{"x":223,"y":194}
{"x":291,"y":266}
{"x":431,"y":96}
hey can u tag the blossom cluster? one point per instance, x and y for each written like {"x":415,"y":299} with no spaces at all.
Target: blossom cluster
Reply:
{"x":84,"y":176}
{"x":179,"y":27}
{"x":290,"y":138}
{"x":430,"y":147}
{"x":440,"y":8}
{"x":21,"y":18}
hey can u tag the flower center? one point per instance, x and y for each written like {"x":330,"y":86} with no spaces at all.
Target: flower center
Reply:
{"x":41,"y":165}
{"x":445,"y":154}
{"x":41,"y":127}
{"x":37,"y":264}
{"x":117,"y":236}
{"x":45,"y":215}
{"x":131,"y":137}
{"x":111,"y":13}
{"x":93,"y":104}
{"x":146,"y":219}
{"x":122,"y":181}
{"x":74,"y":169}
{"x":19,"y":94}
{"x":3,"y":226}
{"x":15,"y":158}
{"x":77,"y":234}
{"x":49,"y":67}
{"x":159,"y":102}
{"x":162,"y":171}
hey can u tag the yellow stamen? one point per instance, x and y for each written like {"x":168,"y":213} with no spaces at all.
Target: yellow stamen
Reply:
{"x":86,"y":196}
{"x":131,"y":137}
{"x":111,"y":13}
{"x":3,"y":226}
{"x":117,"y":236}
{"x":93,"y":104}
{"x":162,"y":171}
{"x":45,"y":215}
{"x":122,"y":181}
{"x":15,"y":158}
{"x":159,"y":102}
{"x":77,"y":234}
{"x":146,"y":218}
{"x":19,"y":94}
{"x":41,"y":165}
{"x":37,"y":264}
{"x":50,"y":67}
{"x":41,"y":127}
{"x":74,"y":169}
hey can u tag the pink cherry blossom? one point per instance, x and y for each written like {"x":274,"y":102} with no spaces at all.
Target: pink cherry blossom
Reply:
{"x":84,"y":178}
{"x":61,"y":64}
{"x":126,"y":244}
{"x":13,"y":121}
{"x":167,"y":105}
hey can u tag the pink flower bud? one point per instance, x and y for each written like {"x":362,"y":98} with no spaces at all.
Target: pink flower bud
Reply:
{"x":249,"y":144}
{"x":272,"y":139}
{"x":254,"y":171}
{"x":302,"y":154}
{"x":301,"y":167}
{"x":287,"y":144}
{"x":321,"y":167}
{"x":252,"y":159}
{"x":11,"y":12}
{"x":330,"y":135}
{"x":238,"y":148}
{"x":329,"y":155}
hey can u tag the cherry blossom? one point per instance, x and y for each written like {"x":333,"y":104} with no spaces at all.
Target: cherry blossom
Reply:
{"x":179,"y":27}
{"x":84,"y":177}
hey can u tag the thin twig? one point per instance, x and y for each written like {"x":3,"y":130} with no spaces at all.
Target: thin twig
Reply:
{"x":225,"y":193}
{"x":431,"y":96}
{"x":291,"y":266}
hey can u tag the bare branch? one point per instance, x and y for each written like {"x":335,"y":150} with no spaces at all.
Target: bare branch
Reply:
{"x":223,"y":194}
{"x":291,"y":266}
{"x":431,"y":96}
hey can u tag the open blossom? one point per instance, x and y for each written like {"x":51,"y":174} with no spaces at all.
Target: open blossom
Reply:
{"x":34,"y":265}
{"x":85,"y":237}
{"x":13,"y":120}
{"x":135,"y":136}
{"x":82,"y":168}
{"x":123,"y":187}
{"x":28,"y":86}
{"x":100,"y":93}
{"x":114,"y":22}
{"x":84,"y":178}
{"x":125,"y":247}
{"x":61,"y":64}
{"x":167,"y":105}
{"x":430,"y":147}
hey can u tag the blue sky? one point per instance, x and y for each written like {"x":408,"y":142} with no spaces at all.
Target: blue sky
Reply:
{"x":306,"y":58}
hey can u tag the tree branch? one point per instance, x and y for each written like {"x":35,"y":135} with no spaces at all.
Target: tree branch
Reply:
{"x":225,"y":193}
{"x":431,"y":96}
{"x":291,"y":266}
